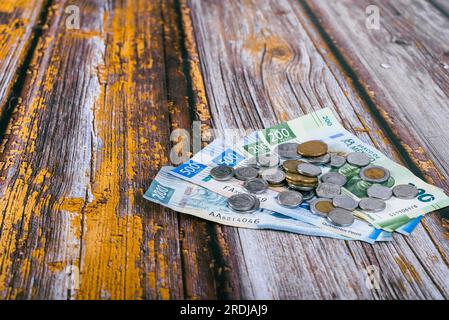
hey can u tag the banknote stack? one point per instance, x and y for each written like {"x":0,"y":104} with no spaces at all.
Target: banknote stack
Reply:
{"x":308,"y":176}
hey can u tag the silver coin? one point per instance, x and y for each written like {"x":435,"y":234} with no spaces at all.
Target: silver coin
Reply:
{"x":334,"y":178}
{"x":268,"y":160}
{"x":382,"y":174}
{"x":256,"y":185}
{"x":253,"y":209}
{"x":308,"y":169}
{"x":328,"y":190}
{"x":241,"y":202}
{"x":341,"y":217}
{"x":289,"y":198}
{"x":288,"y":150}
{"x":319,"y":160}
{"x":315,"y":210}
{"x":222,"y":172}
{"x":405,"y":191}
{"x":379,"y":192}
{"x":300,"y":188}
{"x":273,"y":176}
{"x":337,"y":161}
{"x":358,"y":159}
{"x":307,"y":195}
{"x":246,"y":173}
{"x":372,"y":205}
{"x":345,"y":202}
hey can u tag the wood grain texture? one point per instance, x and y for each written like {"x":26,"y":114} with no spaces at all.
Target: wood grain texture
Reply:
{"x":410,"y":98}
{"x":92,"y":128}
{"x":90,"y":133}
{"x":441,"y":5}
{"x":261,"y":66}
{"x":17,"y":20}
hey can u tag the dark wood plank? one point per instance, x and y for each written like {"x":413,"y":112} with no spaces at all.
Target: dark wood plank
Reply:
{"x":261,"y":66}
{"x":17,"y":21}
{"x":91,"y":131}
{"x":196,"y":238}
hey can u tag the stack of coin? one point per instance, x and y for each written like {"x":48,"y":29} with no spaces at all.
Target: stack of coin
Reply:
{"x":244,"y":203}
{"x":304,"y":179}
{"x":314,"y":151}
{"x":274,"y":176}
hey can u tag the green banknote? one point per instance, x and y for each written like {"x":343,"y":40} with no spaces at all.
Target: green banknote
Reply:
{"x":324,"y":126}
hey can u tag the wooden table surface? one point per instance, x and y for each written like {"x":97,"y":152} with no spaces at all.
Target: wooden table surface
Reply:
{"x":86,"y":116}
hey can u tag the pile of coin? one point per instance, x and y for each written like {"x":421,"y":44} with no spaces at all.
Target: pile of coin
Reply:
{"x":298,"y":170}
{"x":244,"y":203}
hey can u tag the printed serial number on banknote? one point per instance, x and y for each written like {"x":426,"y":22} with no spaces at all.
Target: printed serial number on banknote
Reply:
{"x":320,"y":125}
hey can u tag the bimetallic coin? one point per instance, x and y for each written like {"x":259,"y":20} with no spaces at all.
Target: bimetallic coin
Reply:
{"x":372,"y":205}
{"x":379,"y":192}
{"x":313,"y":148}
{"x":337,"y":161}
{"x":268,"y":160}
{"x":287,"y":150}
{"x":345,"y":202}
{"x":291,"y":165}
{"x":241,"y":202}
{"x":358,"y":159}
{"x":246,"y":173}
{"x":222,"y":172}
{"x":321,"y":207}
{"x":319,"y":160}
{"x":328,"y":190}
{"x":256,"y":185}
{"x":273,"y":176}
{"x":405,"y":191}
{"x":289,"y":198}
{"x":374,"y":174}
{"x":300,"y":188}
{"x":307,"y":195}
{"x":309,"y":169}
{"x":334,"y":178}
{"x":341,"y":217}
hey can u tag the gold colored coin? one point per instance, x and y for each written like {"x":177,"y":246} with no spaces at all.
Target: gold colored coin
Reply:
{"x":296,"y":182}
{"x":374,"y":173}
{"x":277,"y":184}
{"x":291,"y":165}
{"x":312,"y":148}
{"x":324,"y":206}
{"x":299,"y":178}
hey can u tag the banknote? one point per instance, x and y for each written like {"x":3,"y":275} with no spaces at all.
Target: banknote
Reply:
{"x":182,"y":196}
{"x":324,"y":126}
{"x":219,"y":149}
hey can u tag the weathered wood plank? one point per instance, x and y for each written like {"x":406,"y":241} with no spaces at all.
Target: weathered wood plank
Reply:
{"x":17,"y":20}
{"x":199,"y":261}
{"x":91,"y":131}
{"x":441,"y":5}
{"x":410,"y":98}
{"x":260,"y":66}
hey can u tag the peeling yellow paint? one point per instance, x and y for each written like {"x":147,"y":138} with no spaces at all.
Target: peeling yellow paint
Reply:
{"x":408,"y":270}
{"x":72,"y":204}
{"x":114,"y":234}
{"x":202,"y":109}
{"x":9,"y":6}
